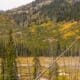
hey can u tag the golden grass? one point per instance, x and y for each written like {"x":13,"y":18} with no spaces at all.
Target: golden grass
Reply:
{"x":48,"y":60}
{"x":45,"y":61}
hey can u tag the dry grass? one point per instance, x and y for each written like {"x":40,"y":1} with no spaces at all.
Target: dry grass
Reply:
{"x":66,"y":64}
{"x":47,"y":60}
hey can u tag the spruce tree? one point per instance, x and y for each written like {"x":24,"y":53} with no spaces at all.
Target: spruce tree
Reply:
{"x":10,"y":60}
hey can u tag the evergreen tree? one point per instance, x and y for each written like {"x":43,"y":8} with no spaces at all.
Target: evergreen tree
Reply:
{"x":10,"y":60}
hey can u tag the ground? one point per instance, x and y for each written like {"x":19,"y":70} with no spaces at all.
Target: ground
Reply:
{"x":68,"y":66}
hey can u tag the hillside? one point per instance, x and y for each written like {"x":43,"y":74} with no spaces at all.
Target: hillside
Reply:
{"x":6,"y":23}
{"x":40,"y":10}
{"x":59,"y":19}
{"x":24,"y":14}
{"x":36,"y":36}
{"x":44,"y":15}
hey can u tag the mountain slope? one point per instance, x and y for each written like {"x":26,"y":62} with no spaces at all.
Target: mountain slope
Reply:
{"x":41,"y":10}
{"x":23,"y":15}
{"x":6,"y":23}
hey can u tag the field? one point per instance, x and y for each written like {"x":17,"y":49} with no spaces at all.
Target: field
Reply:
{"x":69,"y":67}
